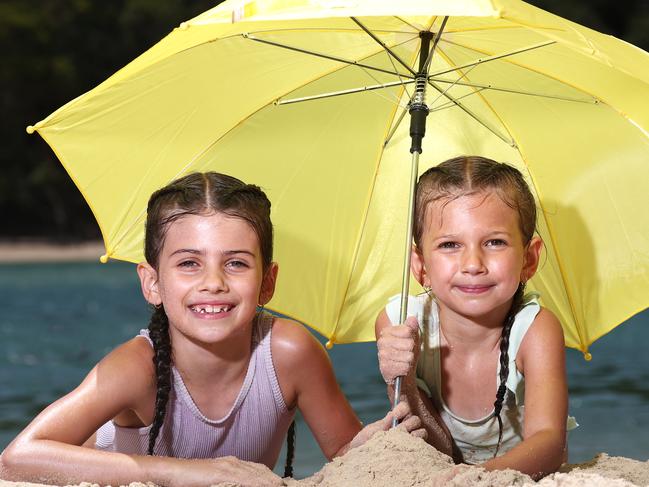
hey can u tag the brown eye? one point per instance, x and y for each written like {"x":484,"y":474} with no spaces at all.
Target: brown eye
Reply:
{"x":496,"y":242}
{"x":448,"y":245}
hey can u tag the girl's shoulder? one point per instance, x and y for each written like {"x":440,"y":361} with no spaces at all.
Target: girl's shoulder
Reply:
{"x":298,"y":358}
{"x":291,"y":341}
{"x":544,"y":334}
{"x":130,"y":362}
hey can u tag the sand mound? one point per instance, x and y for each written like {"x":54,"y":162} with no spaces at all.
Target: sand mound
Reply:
{"x":387,"y":457}
{"x":396,"y":458}
{"x":632,"y":471}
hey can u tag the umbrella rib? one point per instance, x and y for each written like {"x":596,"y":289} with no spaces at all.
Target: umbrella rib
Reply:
{"x":562,"y":271}
{"x":438,"y":36}
{"x":494,"y":58}
{"x":414,"y":28}
{"x":365,"y":217}
{"x":326,"y":56}
{"x":391,"y":54}
{"x":384,"y":46}
{"x":455,"y":102}
{"x":449,"y":104}
{"x":344,"y":92}
{"x":516,"y":91}
{"x":595,"y":99}
{"x":394,"y":128}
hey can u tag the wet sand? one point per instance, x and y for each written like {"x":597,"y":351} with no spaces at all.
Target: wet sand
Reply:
{"x":396,"y":458}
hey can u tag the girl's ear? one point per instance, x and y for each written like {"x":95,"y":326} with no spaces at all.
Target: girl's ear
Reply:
{"x":149,"y":282}
{"x":532,"y":257}
{"x":417,"y":267}
{"x":268,"y":284}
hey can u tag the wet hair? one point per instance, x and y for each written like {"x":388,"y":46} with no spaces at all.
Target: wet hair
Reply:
{"x":468,"y":175}
{"x":195,"y":194}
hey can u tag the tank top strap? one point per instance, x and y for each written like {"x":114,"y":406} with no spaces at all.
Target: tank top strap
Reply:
{"x":264,"y":356}
{"x":144,"y":333}
{"x":522,"y":322}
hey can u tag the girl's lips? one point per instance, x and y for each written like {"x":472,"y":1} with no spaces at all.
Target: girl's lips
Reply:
{"x":474,"y":289}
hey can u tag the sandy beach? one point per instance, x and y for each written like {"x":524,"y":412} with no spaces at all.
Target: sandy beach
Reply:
{"x":22,"y":251}
{"x":396,"y":458}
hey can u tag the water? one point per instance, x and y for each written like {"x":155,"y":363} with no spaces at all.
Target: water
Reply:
{"x":58,"y":320}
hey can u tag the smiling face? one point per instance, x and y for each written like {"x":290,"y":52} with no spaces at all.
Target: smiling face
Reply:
{"x":472,"y":255}
{"x":210,"y":278}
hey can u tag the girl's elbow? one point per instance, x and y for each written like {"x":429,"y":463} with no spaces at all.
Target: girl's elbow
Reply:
{"x":11,"y":460}
{"x":555,"y":456}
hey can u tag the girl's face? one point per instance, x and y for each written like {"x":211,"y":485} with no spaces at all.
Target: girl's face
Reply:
{"x":210,"y":277}
{"x":473,"y":256}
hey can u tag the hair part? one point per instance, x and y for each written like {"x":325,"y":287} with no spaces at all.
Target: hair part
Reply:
{"x":469,"y":175}
{"x":195,"y":194}
{"x":206,"y":193}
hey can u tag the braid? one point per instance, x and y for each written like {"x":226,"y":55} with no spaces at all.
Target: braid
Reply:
{"x":290,"y":450}
{"x":517,"y":303}
{"x":159,"y":334}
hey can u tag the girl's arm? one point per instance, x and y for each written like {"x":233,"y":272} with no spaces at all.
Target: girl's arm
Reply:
{"x":398,"y":348}
{"x":307,"y":382}
{"x":49,"y":450}
{"x":541,"y":359}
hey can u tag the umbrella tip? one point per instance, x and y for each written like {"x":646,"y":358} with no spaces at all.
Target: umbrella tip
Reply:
{"x":30,"y":129}
{"x":329,"y":345}
{"x":587,"y":356}
{"x":183,"y":26}
{"x":103,"y":259}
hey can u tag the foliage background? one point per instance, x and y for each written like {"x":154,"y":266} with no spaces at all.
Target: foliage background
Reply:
{"x":55,"y":50}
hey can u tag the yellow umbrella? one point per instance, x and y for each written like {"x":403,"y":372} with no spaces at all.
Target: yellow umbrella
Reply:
{"x":307,"y":98}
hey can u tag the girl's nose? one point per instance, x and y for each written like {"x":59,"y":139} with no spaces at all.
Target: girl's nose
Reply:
{"x":473,"y":262}
{"x":214,"y":281}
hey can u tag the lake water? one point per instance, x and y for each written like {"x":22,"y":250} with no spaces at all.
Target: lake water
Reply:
{"x":58,"y":320}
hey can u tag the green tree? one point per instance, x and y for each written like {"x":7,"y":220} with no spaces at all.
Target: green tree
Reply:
{"x":55,"y":50}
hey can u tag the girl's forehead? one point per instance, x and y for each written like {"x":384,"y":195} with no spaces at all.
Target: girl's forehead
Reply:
{"x":483,"y":209}
{"x":211,"y":230}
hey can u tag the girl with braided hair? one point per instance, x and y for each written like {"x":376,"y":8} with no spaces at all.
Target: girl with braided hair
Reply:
{"x":208,"y":392}
{"x":487,"y":377}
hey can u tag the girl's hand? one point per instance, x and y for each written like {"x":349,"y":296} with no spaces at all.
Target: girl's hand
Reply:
{"x":398,"y":349}
{"x":225,"y":469}
{"x":408,"y":422}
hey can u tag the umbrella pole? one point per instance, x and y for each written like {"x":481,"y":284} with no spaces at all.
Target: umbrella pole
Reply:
{"x":405,"y":283}
{"x":418,"y":113}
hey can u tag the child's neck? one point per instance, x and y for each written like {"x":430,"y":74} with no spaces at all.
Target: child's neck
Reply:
{"x":220,"y":362}
{"x":471,"y":332}
{"x":213,"y":375}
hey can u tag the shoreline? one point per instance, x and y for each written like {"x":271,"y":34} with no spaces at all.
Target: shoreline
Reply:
{"x":37,"y":251}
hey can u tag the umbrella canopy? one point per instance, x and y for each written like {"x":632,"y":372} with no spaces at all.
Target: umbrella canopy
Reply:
{"x":307,"y":99}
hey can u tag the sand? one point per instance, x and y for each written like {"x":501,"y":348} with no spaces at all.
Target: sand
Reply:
{"x":396,"y":458}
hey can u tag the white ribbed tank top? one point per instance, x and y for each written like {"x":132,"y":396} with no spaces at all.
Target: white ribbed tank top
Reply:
{"x":253,"y":430}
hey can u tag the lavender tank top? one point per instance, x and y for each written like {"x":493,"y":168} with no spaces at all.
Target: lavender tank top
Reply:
{"x":253,"y":430}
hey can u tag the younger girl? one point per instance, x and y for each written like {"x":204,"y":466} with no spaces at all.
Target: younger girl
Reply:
{"x":212,"y":378}
{"x":486,"y":348}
